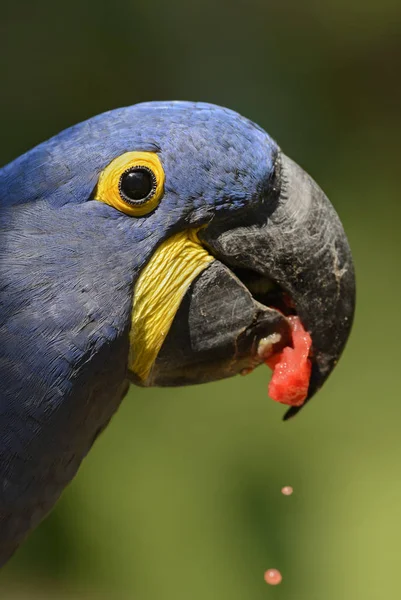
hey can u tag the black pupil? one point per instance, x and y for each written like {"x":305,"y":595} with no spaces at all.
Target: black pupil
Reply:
{"x":137,"y":184}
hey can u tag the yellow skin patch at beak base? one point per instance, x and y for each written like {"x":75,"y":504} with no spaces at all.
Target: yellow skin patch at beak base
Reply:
{"x":158,"y":294}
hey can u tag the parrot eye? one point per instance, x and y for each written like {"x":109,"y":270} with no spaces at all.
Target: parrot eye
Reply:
{"x":133,"y":183}
{"x":137,"y":184}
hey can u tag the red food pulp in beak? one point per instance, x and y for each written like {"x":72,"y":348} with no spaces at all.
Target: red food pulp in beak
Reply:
{"x":291,"y":367}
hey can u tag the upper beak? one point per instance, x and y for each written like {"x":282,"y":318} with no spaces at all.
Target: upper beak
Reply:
{"x":301,"y":245}
{"x":294,"y":241}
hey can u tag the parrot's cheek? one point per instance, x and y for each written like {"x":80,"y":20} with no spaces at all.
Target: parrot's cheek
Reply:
{"x":219,"y":330}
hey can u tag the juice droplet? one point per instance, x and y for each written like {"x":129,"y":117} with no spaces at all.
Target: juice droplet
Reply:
{"x":287,"y":490}
{"x":273,"y":577}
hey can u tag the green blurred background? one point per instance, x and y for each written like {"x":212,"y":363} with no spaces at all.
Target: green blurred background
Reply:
{"x":180,"y":498}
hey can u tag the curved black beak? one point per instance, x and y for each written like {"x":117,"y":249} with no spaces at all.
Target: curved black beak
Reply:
{"x":289,"y":254}
{"x":301,"y":246}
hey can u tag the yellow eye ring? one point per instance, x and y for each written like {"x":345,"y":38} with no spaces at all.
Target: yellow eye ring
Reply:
{"x":132,"y":183}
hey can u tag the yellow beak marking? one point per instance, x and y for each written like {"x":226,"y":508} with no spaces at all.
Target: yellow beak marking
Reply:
{"x":158,"y":294}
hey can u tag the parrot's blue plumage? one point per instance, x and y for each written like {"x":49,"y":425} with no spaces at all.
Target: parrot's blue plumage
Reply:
{"x":68,"y":265}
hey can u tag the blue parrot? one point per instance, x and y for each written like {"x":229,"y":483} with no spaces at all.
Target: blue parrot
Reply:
{"x":160,"y":244}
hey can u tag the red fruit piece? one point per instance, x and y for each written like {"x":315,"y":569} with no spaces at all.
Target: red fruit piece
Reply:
{"x":291,"y":368}
{"x":273,"y":577}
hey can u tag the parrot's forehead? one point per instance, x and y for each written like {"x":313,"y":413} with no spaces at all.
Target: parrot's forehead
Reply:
{"x":207,"y":151}
{"x":204,"y":140}
{"x":197,"y":128}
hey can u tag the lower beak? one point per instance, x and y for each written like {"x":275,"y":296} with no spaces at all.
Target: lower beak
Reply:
{"x":219,"y":330}
{"x":292,"y":246}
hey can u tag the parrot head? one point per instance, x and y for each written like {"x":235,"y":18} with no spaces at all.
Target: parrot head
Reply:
{"x":168,"y":243}
{"x":164,"y":243}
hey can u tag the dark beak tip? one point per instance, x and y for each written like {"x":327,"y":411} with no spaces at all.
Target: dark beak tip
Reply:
{"x":291,"y":412}
{"x":294,"y":410}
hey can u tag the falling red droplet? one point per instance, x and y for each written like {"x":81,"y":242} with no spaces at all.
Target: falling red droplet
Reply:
{"x":273,"y":577}
{"x":287,"y":490}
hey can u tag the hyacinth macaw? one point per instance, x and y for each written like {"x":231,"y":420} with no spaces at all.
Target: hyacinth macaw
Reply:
{"x":156,"y":244}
